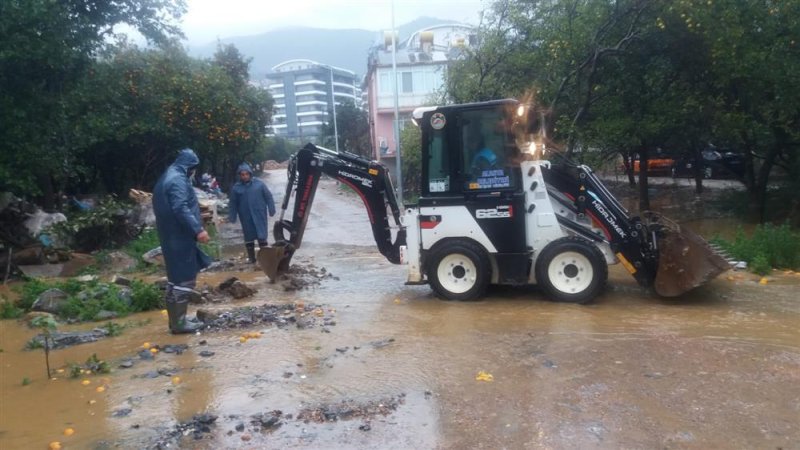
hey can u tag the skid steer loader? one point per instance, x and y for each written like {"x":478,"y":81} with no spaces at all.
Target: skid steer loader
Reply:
{"x":490,"y":212}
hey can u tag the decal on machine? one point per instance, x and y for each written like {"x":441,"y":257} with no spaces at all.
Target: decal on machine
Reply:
{"x":610,"y":219}
{"x":438,"y":121}
{"x":364,"y":181}
{"x":500,"y":212}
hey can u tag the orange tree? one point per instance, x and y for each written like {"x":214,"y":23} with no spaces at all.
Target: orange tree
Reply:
{"x":139,"y":106}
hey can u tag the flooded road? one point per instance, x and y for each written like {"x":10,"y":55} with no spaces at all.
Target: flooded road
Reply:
{"x":718,"y":368}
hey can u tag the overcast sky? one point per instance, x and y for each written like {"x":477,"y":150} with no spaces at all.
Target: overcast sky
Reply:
{"x":207,"y":20}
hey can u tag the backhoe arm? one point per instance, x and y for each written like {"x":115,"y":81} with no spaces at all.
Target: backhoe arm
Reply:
{"x":368,"y":179}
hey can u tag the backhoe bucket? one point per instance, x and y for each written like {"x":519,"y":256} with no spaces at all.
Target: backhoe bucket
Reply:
{"x":274,"y":260}
{"x":685,"y":262}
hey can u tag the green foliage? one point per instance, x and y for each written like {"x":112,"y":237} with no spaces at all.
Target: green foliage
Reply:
{"x":146,"y":296}
{"x":26,"y":381}
{"x":75,"y":370}
{"x":96,"y":365}
{"x":352,"y":125}
{"x":617,"y":76}
{"x":46,"y":48}
{"x":411,"y":150}
{"x":9,"y":310}
{"x":34,"y":344}
{"x":44,"y":323}
{"x":768,"y":247}
{"x":113,"y":328}
{"x":277,"y":149}
{"x":146,"y":241}
{"x":760,"y":265}
{"x":86,"y":299}
{"x":93,"y":364}
{"x":103,"y":226}
{"x":86,"y":306}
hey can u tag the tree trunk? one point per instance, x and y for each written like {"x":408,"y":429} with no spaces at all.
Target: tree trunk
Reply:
{"x":698,"y":170}
{"x":48,"y":193}
{"x":644,"y":195}
{"x":627,"y":161}
{"x":759,"y":196}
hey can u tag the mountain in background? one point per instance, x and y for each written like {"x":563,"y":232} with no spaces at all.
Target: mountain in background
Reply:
{"x":347,"y":49}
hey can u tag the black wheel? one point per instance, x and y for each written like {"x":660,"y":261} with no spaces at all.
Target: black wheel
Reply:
{"x":459,"y":270}
{"x":572,"y":270}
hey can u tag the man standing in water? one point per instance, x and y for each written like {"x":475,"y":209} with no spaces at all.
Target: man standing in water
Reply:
{"x":180,"y":228}
{"x":250,"y":199}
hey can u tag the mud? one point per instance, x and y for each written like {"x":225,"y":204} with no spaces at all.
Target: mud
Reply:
{"x":716,"y":368}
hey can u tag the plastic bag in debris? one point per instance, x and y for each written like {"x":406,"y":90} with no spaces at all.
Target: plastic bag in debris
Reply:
{"x":40,"y":220}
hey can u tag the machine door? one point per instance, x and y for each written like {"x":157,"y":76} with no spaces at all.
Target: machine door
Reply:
{"x":501,"y":218}
{"x":471,"y":160}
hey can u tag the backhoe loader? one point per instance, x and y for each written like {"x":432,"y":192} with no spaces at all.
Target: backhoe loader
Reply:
{"x":492,"y":210}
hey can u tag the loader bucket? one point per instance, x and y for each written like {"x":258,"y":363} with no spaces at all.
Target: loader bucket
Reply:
{"x":274,"y":260}
{"x":685,"y":262}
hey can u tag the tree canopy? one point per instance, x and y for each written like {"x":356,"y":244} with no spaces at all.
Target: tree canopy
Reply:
{"x":83,"y":110}
{"x":625,"y":76}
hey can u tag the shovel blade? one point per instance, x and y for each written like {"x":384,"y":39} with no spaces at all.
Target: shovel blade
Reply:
{"x":270,"y":259}
{"x":686,"y":261}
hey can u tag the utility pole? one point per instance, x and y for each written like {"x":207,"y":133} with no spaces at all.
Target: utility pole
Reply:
{"x":333,"y":104}
{"x":397,"y":117}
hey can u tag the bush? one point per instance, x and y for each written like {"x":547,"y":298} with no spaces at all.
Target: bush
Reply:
{"x":9,"y":310}
{"x":103,"y":226}
{"x":146,"y":297}
{"x":760,"y":265}
{"x":86,"y":300}
{"x":143,"y":243}
{"x":768,"y":247}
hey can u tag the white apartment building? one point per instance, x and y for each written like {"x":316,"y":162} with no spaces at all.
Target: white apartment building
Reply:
{"x":304,"y":93}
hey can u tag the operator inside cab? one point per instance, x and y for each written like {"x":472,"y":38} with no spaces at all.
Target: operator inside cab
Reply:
{"x":486,"y":142}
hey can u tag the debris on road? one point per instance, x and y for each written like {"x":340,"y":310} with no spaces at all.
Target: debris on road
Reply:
{"x":484,"y":376}
{"x":348,"y":410}
{"x":281,"y":315}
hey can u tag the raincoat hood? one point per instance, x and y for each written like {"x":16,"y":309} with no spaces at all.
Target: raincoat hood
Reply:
{"x":186,"y":160}
{"x":244,"y":167}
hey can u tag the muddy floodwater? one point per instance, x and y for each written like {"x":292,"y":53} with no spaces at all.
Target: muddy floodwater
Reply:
{"x":391,"y":366}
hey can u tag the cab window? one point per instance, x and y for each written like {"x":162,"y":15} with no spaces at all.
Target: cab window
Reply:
{"x":488,"y":149}
{"x":438,"y":179}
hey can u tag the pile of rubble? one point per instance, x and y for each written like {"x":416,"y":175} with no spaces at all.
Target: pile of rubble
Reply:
{"x":273,"y":165}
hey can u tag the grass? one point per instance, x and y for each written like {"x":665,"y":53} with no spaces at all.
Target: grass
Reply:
{"x":86,"y":299}
{"x":768,"y":247}
{"x":148,"y":240}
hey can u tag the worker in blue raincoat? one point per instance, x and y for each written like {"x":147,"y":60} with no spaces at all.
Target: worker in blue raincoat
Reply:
{"x":250,"y":200}
{"x":180,"y":228}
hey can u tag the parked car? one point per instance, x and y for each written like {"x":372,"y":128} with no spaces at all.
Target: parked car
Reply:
{"x":657,"y":165}
{"x":716,"y":163}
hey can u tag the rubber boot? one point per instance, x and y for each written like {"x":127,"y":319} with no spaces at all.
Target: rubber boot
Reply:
{"x":251,"y":252}
{"x":178,"y":323}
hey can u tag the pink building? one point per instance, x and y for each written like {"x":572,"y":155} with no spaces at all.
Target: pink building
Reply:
{"x":421,"y":63}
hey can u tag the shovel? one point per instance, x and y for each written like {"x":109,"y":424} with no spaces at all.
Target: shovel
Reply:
{"x":274,"y":260}
{"x":685,"y":262}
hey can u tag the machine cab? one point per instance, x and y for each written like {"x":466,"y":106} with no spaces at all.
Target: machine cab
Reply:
{"x":471,"y":180}
{"x":469,"y":150}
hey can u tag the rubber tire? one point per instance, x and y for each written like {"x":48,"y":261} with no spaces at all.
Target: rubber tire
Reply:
{"x":593,"y":258}
{"x":475,"y":255}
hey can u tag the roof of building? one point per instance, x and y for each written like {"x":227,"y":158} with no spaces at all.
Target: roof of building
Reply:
{"x":309,"y":62}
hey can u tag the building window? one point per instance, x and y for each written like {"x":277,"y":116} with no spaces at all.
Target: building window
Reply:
{"x":385,"y":84}
{"x":408,"y":85}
